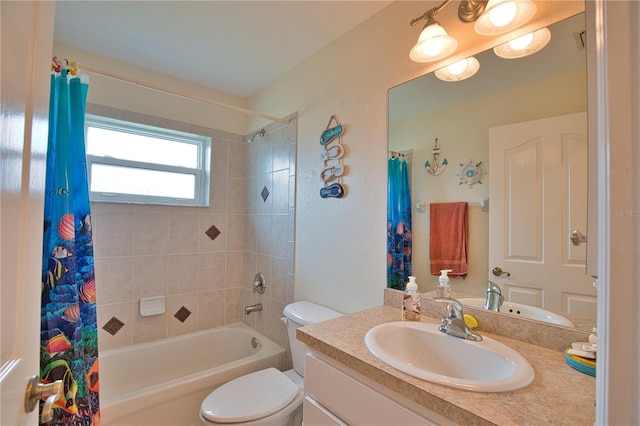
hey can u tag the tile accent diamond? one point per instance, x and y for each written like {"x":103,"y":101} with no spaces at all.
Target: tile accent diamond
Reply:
{"x":264,"y":194}
{"x":113,"y":326}
{"x":213,"y":232}
{"x":182,"y":314}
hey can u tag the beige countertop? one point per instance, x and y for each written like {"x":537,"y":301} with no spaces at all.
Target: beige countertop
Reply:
{"x":559,"y":394}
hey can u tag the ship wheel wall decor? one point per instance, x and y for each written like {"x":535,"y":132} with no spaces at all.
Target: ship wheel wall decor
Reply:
{"x":471,"y":173}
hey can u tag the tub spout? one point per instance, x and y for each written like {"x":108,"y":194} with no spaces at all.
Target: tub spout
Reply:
{"x":252,"y":308}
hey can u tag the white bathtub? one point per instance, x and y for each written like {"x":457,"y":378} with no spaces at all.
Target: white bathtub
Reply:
{"x":164,"y":382}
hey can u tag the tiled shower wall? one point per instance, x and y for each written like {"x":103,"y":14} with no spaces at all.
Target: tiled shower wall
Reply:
{"x":150,"y":250}
{"x":269,"y":226}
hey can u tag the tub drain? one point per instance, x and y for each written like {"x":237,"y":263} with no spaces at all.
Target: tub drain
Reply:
{"x":254,"y":342}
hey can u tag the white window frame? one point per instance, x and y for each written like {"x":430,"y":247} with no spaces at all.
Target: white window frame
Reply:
{"x":202,"y":172}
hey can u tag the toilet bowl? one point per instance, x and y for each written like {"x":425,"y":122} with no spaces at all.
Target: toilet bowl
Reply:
{"x":266,"y":397}
{"x":269,"y":396}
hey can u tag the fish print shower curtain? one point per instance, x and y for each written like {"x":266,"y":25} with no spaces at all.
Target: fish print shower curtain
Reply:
{"x":68,"y":332}
{"x":398,"y":223}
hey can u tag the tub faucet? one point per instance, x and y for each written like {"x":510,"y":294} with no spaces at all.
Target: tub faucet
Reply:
{"x":252,"y":308}
{"x":494,"y":297}
{"x":453,"y":323}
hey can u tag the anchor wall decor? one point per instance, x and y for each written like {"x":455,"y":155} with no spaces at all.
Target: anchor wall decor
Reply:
{"x":436,"y":168}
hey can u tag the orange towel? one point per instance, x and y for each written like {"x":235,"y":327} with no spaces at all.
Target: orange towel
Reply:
{"x":449,"y":238}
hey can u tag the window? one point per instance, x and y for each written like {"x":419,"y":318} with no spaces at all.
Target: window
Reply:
{"x":135,"y":163}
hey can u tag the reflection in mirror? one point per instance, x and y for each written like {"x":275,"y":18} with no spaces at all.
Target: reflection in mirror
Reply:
{"x":550,"y":83}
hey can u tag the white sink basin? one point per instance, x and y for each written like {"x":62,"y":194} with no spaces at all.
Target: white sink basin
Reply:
{"x":420,"y":350}
{"x":525,"y":311}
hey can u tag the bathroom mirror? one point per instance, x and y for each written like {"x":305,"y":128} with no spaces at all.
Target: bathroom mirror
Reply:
{"x":549,"y":83}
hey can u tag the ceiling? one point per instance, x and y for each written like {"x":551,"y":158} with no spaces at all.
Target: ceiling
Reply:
{"x":236,"y":47}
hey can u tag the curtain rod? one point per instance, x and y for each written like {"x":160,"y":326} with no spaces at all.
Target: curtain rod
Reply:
{"x":182,"y":95}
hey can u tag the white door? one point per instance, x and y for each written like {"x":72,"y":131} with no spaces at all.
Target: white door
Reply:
{"x":27,"y":34}
{"x":538,"y":193}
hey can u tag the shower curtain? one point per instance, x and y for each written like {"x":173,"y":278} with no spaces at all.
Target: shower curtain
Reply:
{"x":68,"y":332}
{"x":398,"y":223}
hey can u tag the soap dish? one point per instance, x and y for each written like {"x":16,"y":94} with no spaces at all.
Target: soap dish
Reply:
{"x":583,"y":365}
{"x":151,"y":306}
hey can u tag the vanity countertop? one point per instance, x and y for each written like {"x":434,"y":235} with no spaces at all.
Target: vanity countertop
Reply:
{"x":559,"y":394}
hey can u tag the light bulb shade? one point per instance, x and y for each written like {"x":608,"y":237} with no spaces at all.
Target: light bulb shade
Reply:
{"x":523,"y":46}
{"x":459,"y":70}
{"x":433,"y":44}
{"x":501,"y":16}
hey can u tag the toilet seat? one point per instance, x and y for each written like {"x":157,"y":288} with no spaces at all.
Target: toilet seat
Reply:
{"x":250,"y":397}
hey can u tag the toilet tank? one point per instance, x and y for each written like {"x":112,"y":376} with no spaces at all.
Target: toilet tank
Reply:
{"x":297,"y":315}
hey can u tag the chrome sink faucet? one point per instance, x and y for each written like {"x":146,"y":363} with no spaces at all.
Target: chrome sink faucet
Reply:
{"x":453,"y":323}
{"x":494,"y":297}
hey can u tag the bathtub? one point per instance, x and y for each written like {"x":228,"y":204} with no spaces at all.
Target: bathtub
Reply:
{"x":163,"y":382}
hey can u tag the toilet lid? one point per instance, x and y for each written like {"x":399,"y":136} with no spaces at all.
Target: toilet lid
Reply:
{"x":250,"y":397}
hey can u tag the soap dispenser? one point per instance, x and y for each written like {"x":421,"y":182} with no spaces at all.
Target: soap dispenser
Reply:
{"x":411,"y":303}
{"x":444,"y":290}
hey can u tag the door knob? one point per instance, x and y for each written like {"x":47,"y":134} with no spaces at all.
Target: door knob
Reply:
{"x":577,"y":238}
{"x":37,"y":391}
{"x":498,"y":272}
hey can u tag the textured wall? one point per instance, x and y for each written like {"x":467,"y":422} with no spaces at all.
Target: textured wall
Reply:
{"x":341,"y":243}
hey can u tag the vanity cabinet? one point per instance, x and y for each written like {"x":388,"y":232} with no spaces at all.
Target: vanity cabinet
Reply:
{"x":338,"y":395}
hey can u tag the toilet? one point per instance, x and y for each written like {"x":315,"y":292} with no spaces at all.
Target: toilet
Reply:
{"x":269,"y":396}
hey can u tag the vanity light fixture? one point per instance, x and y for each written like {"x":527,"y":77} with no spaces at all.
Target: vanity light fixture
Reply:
{"x":523,"y":46}
{"x":434,"y":43}
{"x":460,"y":70}
{"x":491,"y":17}
{"x":502,"y":16}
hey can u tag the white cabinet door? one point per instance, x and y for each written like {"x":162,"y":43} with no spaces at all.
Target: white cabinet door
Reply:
{"x":316,"y":415}
{"x":334,"y":395}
